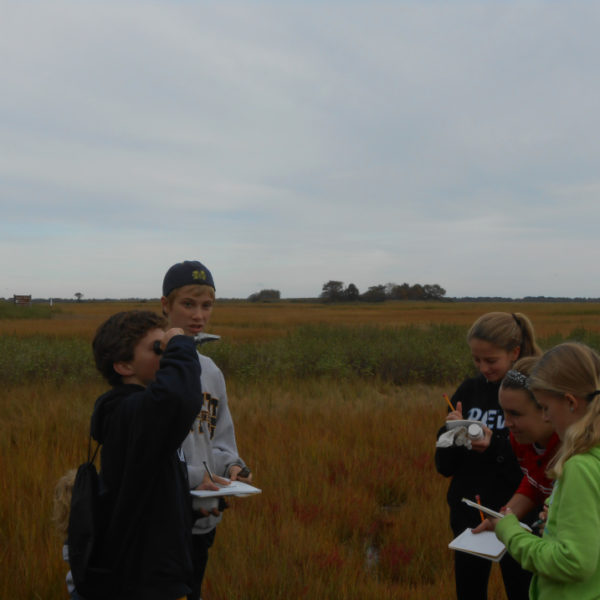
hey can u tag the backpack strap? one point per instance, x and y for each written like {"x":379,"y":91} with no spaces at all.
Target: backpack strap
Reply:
{"x":93,"y":456}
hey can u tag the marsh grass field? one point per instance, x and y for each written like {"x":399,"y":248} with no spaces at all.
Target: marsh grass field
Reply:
{"x":336,"y":411}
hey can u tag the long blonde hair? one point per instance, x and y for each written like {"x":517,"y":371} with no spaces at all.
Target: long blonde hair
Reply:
{"x":62,"y":501}
{"x":506,"y":331}
{"x":571,"y":368}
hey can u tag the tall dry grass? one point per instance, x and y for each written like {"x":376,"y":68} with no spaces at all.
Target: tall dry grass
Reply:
{"x":244,"y":321}
{"x":347,"y":475}
{"x":248,"y":321}
{"x":42,"y":435}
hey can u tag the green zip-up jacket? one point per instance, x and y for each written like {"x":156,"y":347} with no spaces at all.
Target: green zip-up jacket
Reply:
{"x":566,"y":560}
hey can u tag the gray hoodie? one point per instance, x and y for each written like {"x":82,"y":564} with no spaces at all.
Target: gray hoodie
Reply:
{"x":211,"y":439}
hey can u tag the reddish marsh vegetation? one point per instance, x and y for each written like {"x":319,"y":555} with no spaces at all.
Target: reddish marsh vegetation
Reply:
{"x":351,"y":507}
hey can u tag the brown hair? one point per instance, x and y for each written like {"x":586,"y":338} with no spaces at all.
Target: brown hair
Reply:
{"x":117,"y":337}
{"x":506,"y":331}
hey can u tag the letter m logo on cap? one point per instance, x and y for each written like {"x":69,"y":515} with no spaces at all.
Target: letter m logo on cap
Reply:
{"x":199,"y":275}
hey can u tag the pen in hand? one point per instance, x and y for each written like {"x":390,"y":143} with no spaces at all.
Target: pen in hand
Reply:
{"x":210,"y":475}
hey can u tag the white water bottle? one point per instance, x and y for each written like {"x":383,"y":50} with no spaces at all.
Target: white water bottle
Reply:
{"x":475,"y":432}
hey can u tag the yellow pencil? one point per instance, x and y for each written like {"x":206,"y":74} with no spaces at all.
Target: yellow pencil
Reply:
{"x":479,"y":502}
{"x":448,"y":401}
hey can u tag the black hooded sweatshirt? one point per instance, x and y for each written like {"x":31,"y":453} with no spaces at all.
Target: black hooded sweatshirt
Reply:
{"x":146,"y":504}
{"x":494,"y":474}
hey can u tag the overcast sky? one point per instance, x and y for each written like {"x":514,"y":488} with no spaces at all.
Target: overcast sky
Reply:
{"x":286,"y":144}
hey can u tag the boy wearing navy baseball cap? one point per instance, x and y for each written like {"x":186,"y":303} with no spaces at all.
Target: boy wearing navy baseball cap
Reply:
{"x":188,"y":272}
{"x":187,"y":302}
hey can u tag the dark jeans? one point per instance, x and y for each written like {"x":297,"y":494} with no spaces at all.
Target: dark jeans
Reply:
{"x":200,"y":545}
{"x":472,"y":574}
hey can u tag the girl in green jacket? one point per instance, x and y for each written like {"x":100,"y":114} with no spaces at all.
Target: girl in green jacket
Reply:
{"x":566,"y":560}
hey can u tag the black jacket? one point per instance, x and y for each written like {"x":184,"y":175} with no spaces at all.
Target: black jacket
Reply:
{"x":146,"y":503}
{"x":494,"y":474}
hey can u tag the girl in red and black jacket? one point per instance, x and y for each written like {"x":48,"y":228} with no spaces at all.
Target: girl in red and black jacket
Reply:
{"x":533,"y":441}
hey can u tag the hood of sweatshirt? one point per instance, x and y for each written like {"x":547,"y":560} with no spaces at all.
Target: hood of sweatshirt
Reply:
{"x":105,"y":406}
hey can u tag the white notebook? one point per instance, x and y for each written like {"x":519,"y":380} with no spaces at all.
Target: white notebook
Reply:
{"x":235,"y":488}
{"x":484,"y":544}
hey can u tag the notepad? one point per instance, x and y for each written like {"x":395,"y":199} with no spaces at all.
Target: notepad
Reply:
{"x":484,"y":544}
{"x":235,"y":488}
{"x":485,"y":509}
{"x":490,"y":512}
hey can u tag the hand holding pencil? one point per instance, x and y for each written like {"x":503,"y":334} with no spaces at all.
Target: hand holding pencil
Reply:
{"x":455,"y":414}
{"x":213,"y":483}
{"x":486,"y":524}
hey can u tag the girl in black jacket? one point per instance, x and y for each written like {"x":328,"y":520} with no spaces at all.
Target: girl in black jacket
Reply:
{"x":490,"y":468}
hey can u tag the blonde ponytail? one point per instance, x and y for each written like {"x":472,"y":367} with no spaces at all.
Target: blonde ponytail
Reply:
{"x":506,"y":331}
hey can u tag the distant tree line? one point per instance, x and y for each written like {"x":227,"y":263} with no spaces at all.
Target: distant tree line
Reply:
{"x":265,"y":296}
{"x":334,"y":291}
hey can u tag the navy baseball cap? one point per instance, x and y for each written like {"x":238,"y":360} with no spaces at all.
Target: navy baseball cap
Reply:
{"x":188,"y":272}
